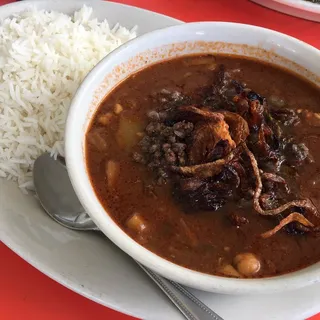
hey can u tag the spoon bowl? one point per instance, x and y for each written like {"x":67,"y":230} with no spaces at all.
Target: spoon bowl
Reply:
{"x":56,"y":194}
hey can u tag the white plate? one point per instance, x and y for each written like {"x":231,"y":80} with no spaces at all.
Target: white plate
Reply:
{"x":90,"y":264}
{"x":297,"y":8}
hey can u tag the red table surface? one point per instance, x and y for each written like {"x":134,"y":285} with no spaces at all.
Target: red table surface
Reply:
{"x":26,"y":293}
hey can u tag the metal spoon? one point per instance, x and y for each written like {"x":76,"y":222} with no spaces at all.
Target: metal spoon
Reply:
{"x":57,"y":197}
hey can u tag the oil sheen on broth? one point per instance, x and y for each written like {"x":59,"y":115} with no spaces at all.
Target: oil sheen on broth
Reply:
{"x":212,"y":162}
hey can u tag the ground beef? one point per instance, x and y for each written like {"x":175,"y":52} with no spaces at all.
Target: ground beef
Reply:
{"x":163,"y":145}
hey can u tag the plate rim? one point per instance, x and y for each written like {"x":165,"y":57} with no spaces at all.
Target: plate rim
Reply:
{"x":302,"y":9}
{"x":302,"y":5}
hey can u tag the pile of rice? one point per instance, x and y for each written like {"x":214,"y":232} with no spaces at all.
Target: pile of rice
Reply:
{"x":44,"y":56}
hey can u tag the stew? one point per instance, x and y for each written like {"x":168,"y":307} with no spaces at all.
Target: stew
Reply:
{"x":212,"y":162}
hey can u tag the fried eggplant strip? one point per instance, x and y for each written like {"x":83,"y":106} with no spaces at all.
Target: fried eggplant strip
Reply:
{"x":306,"y":204}
{"x":293,"y":217}
{"x":209,"y":169}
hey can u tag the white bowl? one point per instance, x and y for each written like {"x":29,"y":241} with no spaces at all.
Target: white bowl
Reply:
{"x":203,"y":37}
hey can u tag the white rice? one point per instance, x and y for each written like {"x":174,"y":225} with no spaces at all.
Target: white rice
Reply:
{"x":44,"y":56}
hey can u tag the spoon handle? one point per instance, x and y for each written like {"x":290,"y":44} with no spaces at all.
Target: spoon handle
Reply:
{"x":187,"y":303}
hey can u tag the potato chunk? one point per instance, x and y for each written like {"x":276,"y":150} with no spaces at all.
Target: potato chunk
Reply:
{"x":126,"y":135}
{"x":136,"y":223}
{"x":112,"y":171}
{"x":229,"y":271}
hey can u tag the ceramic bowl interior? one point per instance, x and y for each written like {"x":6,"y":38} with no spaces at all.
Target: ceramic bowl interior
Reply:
{"x":193,"y":38}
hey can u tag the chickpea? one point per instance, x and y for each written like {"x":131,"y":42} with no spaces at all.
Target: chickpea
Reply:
{"x":247,"y":264}
{"x":105,"y":119}
{"x":118,"y":108}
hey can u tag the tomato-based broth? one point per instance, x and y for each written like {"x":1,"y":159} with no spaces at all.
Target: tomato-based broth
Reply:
{"x":212,"y":162}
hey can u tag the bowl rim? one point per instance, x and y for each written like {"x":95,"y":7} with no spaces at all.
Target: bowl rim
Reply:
{"x":108,"y":226}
